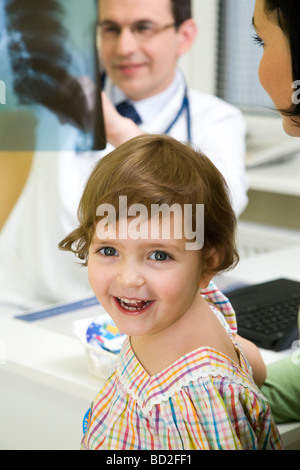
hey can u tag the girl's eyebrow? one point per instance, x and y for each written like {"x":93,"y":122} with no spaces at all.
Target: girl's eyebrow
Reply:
{"x":164,"y":247}
{"x":151,"y":244}
{"x":106,"y":241}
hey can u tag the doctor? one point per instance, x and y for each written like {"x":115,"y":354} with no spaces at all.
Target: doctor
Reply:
{"x":141,"y":42}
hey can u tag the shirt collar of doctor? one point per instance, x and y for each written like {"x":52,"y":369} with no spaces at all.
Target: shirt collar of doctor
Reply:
{"x":149,"y":107}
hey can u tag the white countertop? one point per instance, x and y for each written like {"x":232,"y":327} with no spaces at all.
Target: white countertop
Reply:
{"x":267,"y":266}
{"x":278,"y":177}
{"x":48,"y":357}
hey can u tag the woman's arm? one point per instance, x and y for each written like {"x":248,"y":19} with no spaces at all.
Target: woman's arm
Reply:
{"x":255,"y":360}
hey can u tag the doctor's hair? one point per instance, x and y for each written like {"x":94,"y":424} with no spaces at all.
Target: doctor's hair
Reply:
{"x":182,"y":10}
{"x":287,"y":14}
{"x":157,"y":169}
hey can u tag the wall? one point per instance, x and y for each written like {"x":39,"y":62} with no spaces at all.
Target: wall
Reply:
{"x":200,"y":65}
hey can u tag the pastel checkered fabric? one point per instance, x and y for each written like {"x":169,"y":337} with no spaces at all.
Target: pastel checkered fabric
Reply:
{"x":203,"y":401}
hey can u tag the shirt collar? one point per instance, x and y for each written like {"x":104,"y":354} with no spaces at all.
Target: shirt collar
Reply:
{"x":149,"y":107}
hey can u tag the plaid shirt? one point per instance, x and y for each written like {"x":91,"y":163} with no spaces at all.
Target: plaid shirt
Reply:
{"x":202,"y":401}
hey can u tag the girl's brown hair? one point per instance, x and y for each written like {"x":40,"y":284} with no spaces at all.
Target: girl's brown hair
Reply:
{"x":157,"y":169}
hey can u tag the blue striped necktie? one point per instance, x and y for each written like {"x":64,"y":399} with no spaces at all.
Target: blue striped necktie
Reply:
{"x":128,"y":110}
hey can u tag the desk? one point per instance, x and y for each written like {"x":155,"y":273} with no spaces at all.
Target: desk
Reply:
{"x":274,"y":194}
{"x":45,"y":385}
{"x":266,"y":267}
{"x":45,"y":388}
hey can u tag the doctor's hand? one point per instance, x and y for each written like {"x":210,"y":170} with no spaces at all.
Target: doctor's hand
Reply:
{"x":118,"y":128}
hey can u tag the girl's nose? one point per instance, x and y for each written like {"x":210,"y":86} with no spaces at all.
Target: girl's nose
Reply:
{"x":130,"y":275}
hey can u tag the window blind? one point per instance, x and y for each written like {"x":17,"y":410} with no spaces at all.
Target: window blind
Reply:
{"x":238,"y":58}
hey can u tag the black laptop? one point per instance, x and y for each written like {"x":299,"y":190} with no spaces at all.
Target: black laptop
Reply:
{"x":267,"y":313}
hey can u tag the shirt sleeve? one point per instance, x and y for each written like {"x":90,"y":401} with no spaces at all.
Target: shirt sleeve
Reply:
{"x":282,"y":388}
{"x":219,"y":131}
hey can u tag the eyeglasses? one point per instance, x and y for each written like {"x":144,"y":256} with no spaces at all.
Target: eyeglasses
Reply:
{"x":142,"y":30}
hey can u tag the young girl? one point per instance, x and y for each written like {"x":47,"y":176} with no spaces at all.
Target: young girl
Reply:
{"x":181,"y":380}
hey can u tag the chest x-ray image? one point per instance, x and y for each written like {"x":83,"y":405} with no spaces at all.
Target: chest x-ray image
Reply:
{"x":50,"y":76}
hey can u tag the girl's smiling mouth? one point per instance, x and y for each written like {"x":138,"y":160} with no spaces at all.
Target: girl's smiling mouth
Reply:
{"x":132,"y":306}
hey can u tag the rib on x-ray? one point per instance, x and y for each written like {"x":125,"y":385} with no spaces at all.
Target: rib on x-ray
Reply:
{"x":44,"y":69}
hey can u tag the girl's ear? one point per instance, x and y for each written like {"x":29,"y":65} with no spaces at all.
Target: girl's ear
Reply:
{"x":211,"y":260}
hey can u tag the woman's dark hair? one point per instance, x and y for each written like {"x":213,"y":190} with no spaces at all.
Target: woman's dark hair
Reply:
{"x":287,"y":14}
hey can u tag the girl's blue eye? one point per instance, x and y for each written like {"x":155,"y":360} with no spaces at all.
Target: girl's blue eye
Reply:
{"x":258,"y":40}
{"x":108,"y":251}
{"x":159,"y":256}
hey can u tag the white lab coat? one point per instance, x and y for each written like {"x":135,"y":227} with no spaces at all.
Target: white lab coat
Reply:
{"x":33,"y":272}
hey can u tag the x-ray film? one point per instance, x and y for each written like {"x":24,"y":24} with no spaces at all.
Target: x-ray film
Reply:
{"x":50,"y":78}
